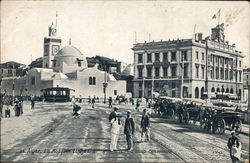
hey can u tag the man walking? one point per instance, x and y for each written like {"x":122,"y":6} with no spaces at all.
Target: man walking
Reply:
{"x":235,"y":147}
{"x":93,"y":102}
{"x":32,"y":102}
{"x":145,"y":124}
{"x":110,"y":102}
{"x":76,"y":108}
{"x":129,"y":129}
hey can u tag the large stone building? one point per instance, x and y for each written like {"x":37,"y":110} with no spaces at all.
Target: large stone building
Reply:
{"x":197,"y":67}
{"x":66,"y":67}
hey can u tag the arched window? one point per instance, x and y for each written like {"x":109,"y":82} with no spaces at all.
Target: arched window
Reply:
{"x":213,"y":89}
{"x":227,"y":90}
{"x":231,"y":90}
{"x":218,"y":89}
{"x":90,"y":80}
{"x":196,"y":92}
{"x":202,"y":92}
{"x":93,"y":82}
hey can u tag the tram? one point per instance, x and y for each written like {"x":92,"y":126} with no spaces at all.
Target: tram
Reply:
{"x":57,"y":94}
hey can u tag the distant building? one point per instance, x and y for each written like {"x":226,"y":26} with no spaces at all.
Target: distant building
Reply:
{"x":12,"y":68}
{"x":38,"y":63}
{"x":197,"y":67}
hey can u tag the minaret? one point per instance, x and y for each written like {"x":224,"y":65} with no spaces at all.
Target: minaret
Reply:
{"x":52,"y":45}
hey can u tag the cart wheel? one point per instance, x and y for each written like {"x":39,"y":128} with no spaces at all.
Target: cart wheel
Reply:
{"x":221,"y":126}
{"x":238,"y":127}
{"x":187,"y":118}
{"x":171,"y":113}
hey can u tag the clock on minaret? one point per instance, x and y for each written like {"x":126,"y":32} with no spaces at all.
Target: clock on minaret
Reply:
{"x":55,"y":49}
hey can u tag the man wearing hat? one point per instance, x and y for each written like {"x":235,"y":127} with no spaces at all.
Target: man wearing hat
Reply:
{"x":235,"y":147}
{"x":129,"y":130}
{"x":145,"y":124}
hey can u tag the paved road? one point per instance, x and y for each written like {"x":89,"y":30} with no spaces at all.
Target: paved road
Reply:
{"x":50,"y":133}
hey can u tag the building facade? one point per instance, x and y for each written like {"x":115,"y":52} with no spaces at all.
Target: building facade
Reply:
{"x":246,"y":85}
{"x":197,"y":67}
{"x":64,"y":67}
{"x":11,"y":68}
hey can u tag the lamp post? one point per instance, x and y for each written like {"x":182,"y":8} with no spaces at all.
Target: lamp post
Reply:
{"x":105,"y":84}
{"x":222,"y":90}
{"x":13,"y":85}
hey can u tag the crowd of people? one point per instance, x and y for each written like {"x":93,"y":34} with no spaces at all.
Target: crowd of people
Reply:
{"x":116,"y":122}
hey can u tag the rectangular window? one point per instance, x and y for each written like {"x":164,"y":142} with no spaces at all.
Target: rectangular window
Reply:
{"x":173,"y":56}
{"x":240,"y":76}
{"x":212,"y":73}
{"x":149,"y":57}
{"x":226,"y":74}
{"x":33,"y":82}
{"x":115,"y":92}
{"x":140,"y":58}
{"x":157,"y":72}
{"x":217,"y":73}
{"x":157,"y":57}
{"x":221,"y":74}
{"x":203,"y":56}
{"x":185,"y":71}
{"x":231,"y":74}
{"x":240,"y":63}
{"x":197,"y":55}
{"x":9,"y":71}
{"x":54,"y":63}
{"x":173,"y":71}
{"x":140,"y":73}
{"x":197,"y":71}
{"x":165,"y":56}
{"x":203,"y":72}
{"x":149,"y":72}
{"x":165,"y":71}
{"x":184,"y":53}
{"x":140,"y":85}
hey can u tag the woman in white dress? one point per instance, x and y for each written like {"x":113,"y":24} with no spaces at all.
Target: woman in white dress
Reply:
{"x":115,"y":131}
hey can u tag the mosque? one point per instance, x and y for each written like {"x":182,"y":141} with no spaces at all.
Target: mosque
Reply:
{"x":64,"y":67}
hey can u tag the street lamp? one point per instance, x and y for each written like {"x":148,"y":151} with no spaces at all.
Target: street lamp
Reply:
{"x":105,"y":84}
{"x":222,"y":90}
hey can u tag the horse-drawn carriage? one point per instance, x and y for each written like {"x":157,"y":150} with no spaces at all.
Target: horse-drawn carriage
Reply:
{"x":227,"y":120}
{"x":212,"y":118}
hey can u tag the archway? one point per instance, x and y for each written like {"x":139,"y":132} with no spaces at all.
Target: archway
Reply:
{"x":218,"y":90}
{"x":213,"y":89}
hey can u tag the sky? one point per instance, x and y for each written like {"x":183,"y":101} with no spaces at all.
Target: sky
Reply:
{"x":107,"y":28}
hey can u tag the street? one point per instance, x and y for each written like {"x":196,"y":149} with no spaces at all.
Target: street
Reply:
{"x":51,"y":133}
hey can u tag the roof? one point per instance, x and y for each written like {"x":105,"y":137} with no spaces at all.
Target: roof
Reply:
{"x":69,"y":51}
{"x":10,"y":64}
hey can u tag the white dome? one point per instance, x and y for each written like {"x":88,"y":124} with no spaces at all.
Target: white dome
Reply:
{"x":70,"y":56}
{"x":70,"y":51}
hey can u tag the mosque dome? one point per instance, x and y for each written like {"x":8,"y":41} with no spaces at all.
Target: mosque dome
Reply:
{"x":70,"y":57}
{"x":70,"y":51}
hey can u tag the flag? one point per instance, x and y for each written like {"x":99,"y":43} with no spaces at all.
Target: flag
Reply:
{"x":216,"y":15}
